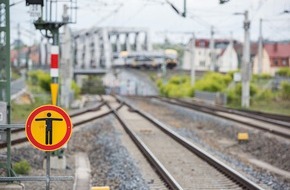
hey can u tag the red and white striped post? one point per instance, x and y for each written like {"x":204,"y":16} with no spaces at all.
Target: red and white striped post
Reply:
{"x":54,"y":73}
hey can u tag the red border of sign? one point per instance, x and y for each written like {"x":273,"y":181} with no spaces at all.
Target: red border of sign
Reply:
{"x":45,"y":108}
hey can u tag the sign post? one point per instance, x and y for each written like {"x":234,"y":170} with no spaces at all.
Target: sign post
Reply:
{"x":48,"y":128}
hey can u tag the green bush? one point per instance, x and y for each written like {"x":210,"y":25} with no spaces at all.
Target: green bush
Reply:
{"x":75,"y":88}
{"x":159,"y":83}
{"x":285,"y":90}
{"x":231,"y":73}
{"x":44,"y":82}
{"x":213,"y":82}
{"x":93,"y":85}
{"x":234,"y":94}
{"x":33,"y":77}
{"x":40,"y":78}
{"x":22,"y":167}
{"x":265,"y":95}
{"x":177,"y":86}
{"x":175,"y":80}
{"x":253,"y":89}
{"x":262,"y":76}
{"x":284,"y":72}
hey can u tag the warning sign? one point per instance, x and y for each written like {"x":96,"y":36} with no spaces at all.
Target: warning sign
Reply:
{"x":48,"y":127}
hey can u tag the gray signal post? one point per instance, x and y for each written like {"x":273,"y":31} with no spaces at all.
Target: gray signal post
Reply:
{"x":246,"y":69}
{"x":260,"y":49}
{"x":246,"y":72}
{"x":192,"y":58}
{"x":51,"y":29}
{"x":5,"y":72}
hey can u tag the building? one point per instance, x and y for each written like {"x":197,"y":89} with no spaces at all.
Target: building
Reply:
{"x":25,"y":56}
{"x":239,"y":48}
{"x":274,"y":56}
{"x":227,"y":60}
{"x":224,"y":56}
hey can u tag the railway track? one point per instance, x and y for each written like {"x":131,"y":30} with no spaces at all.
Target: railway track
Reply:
{"x":272,"y":123}
{"x":180,"y":164}
{"x":178,"y":161}
{"x":78,"y":118}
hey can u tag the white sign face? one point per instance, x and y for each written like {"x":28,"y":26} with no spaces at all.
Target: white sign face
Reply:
{"x":237,"y":77}
{"x":35,"y":11}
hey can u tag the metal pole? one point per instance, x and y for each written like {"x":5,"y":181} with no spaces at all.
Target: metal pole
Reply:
{"x":163,"y":67}
{"x":192,"y":66}
{"x":55,"y":42}
{"x":5,"y":58}
{"x":260,"y":50}
{"x":18,"y":45}
{"x":47,"y":170}
{"x":231,"y":53}
{"x":246,"y":65}
{"x":184,"y":9}
{"x":50,"y":19}
{"x":212,"y":61}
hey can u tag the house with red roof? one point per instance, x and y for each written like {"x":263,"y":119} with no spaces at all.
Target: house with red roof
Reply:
{"x":224,"y":56}
{"x":30,"y":54}
{"x":274,"y":56}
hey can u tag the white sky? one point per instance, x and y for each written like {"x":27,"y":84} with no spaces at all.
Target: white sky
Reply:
{"x":161,"y":19}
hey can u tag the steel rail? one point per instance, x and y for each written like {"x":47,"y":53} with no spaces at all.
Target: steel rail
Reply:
{"x":211,"y":112}
{"x":280,"y":120}
{"x":161,"y":170}
{"x":223,"y":168}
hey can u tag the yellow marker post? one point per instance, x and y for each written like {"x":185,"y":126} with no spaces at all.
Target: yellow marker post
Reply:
{"x":243,"y":136}
{"x":101,"y":188}
{"x":54,"y":92}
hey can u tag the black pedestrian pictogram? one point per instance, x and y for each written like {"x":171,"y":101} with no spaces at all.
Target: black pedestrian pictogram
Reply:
{"x":48,"y":127}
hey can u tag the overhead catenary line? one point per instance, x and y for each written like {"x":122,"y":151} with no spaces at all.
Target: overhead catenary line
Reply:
{"x":15,"y":3}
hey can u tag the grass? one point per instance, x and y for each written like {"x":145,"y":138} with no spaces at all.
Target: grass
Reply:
{"x":19,"y":113}
{"x":275,"y":106}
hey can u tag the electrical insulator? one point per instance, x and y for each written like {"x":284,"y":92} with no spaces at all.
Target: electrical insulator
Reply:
{"x":223,"y":1}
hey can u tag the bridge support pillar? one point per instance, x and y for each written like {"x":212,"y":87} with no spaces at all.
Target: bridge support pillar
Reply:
{"x":118,"y":43}
{"x":147,"y":41}
{"x":127,"y":41}
{"x":137,"y":42}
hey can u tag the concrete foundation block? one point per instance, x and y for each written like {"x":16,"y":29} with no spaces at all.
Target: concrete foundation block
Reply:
{"x":56,"y":163}
{"x":12,"y":186}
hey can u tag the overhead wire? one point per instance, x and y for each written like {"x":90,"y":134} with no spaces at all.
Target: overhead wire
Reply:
{"x":258,"y":9}
{"x":224,"y":18}
{"x":275,"y":32}
{"x":109,"y":15}
{"x":139,"y":11}
{"x":15,"y":3}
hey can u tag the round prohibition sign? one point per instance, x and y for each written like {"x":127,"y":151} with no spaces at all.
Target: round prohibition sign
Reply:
{"x":48,"y":127}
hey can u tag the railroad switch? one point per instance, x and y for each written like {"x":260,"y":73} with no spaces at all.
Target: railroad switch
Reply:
{"x":243,"y":137}
{"x":101,"y":188}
